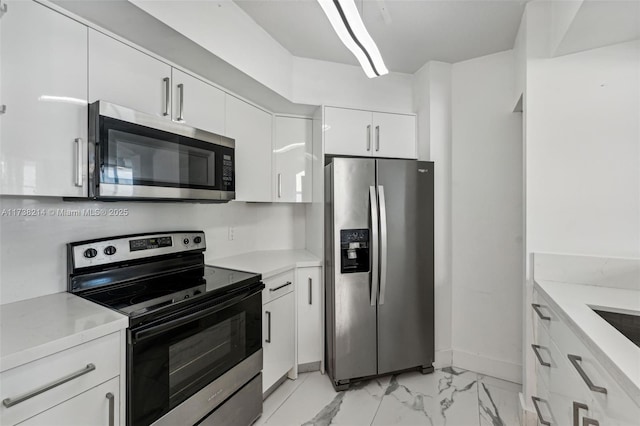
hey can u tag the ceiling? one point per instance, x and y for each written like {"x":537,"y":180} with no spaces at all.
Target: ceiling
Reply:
{"x":408,"y":33}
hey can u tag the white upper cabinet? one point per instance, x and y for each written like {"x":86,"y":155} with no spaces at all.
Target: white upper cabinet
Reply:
{"x":292,"y":156}
{"x":369,"y":134}
{"x":43,"y":90}
{"x":347,"y":132}
{"x":197,"y":103}
{"x":394,"y":135}
{"x":251,"y":128}
{"x":125,"y":76}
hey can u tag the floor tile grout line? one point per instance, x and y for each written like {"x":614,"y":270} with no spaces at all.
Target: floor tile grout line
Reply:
{"x":478,"y":398}
{"x":377,"y":409}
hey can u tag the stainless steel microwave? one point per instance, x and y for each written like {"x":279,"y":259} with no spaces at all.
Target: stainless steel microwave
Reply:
{"x":137,"y":156}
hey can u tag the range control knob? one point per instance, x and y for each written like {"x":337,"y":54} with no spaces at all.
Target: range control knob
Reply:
{"x":185,"y":241}
{"x":110,"y":250}
{"x":197,"y":240}
{"x":90,"y":252}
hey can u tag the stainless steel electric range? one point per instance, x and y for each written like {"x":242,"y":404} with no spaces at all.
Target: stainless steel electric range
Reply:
{"x":194,"y":342}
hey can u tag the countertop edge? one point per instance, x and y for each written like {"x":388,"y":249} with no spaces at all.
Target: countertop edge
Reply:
{"x":285,"y":261}
{"x":623,"y":379}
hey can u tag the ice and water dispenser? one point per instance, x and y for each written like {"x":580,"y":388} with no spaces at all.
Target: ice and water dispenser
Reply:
{"x":354,"y":250}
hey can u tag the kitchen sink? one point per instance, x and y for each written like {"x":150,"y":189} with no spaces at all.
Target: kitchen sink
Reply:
{"x":628,"y":325}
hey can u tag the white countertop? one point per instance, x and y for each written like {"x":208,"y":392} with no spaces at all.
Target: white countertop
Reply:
{"x":35,"y":328}
{"x":615,"y":352}
{"x":269,"y":262}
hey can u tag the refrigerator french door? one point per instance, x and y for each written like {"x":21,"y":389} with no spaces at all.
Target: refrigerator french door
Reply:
{"x":379,"y":246}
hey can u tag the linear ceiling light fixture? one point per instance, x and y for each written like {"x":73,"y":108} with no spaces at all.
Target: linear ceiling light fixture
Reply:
{"x":347,"y":23}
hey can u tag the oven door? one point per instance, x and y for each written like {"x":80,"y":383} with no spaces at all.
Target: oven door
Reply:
{"x":170,"y":360}
{"x":134,"y":155}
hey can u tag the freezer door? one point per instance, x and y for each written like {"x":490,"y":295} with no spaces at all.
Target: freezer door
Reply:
{"x":351,"y":310}
{"x":405,"y":302}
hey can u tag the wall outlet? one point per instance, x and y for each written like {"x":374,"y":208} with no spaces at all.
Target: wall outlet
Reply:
{"x":231,"y":231}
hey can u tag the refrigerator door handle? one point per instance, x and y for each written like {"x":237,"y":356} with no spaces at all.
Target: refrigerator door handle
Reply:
{"x":383,"y":244}
{"x":373,"y":199}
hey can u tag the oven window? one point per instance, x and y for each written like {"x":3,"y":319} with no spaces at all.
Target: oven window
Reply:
{"x":205,"y":351}
{"x":136,"y":159}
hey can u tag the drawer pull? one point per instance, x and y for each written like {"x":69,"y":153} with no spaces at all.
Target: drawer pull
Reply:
{"x":536,"y":351}
{"x":9,"y":402}
{"x":574,"y":360}
{"x":112,"y":408}
{"x":577,"y":406}
{"x":281,"y":286}
{"x":535,"y":400}
{"x":542,"y":316}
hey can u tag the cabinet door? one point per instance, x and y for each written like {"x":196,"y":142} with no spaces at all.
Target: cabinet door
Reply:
{"x":125,"y":76}
{"x":277,"y":339}
{"x":310,"y":336}
{"x":347,"y":132}
{"x":43,"y":131}
{"x":394,"y":135}
{"x":292,"y":155}
{"x":251,"y":129}
{"x":197,"y":103}
{"x":93,"y":407}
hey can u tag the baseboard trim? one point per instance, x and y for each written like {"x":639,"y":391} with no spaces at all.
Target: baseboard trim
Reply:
{"x":443,"y":358}
{"x":492,"y":367}
{"x":527,"y":417}
{"x":309,"y":367}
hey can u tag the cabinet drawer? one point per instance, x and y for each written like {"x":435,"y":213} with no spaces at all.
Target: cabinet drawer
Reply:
{"x":103,"y":354}
{"x":277,"y":286}
{"x":91,"y":408}
{"x":616,"y":404}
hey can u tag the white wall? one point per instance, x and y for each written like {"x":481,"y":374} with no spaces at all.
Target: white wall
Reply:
{"x":33,"y":253}
{"x":487,"y":218}
{"x":318,"y":82}
{"x":432,"y":102}
{"x":583,"y":153}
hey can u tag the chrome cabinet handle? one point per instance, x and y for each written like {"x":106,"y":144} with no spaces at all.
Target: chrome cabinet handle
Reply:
{"x":369,"y":137}
{"x":542,"y":316}
{"x":377,"y":138}
{"x":10,"y":402}
{"x":279,"y":185}
{"x":268,"y":339}
{"x":167,"y":90}
{"x":112,"y":408}
{"x":78,"y":180}
{"x":373,"y":200}
{"x":310,"y":289}
{"x":535,"y":400}
{"x":3,"y":108}
{"x":383,"y":244}
{"x":180,"y":102}
{"x":586,"y":421}
{"x":574,"y":361}
{"x":281,"y":286}
{"x":535,"y":350}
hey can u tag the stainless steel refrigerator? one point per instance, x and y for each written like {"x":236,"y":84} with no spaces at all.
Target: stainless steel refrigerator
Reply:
{"x":379,"y":275}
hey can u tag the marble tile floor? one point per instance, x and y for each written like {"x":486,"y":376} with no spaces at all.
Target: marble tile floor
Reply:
{"x":448,"y":397}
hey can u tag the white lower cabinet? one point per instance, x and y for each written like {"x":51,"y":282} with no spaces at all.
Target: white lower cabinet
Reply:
{"x":97,"y":406}
{"x":76,"y":382}
{"x":278,"y":336}
{"x":309,"y":294}
{"x":563,"y":367}
{"x":43,"y":102}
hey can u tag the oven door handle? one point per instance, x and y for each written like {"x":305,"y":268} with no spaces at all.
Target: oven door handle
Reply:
{"x":147,"y":333}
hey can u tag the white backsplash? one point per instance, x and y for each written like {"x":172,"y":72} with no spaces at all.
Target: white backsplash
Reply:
{"x":33,"y":252}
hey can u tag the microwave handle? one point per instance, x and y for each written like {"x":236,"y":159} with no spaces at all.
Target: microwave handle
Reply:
{"x":147,"y":333}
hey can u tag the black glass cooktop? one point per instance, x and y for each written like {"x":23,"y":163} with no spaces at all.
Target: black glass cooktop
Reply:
{"x":153,"y":293}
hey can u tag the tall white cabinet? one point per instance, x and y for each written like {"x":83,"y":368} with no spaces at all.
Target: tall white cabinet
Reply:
{"x":43,"y":102}
{"x":292,"y":159}
{"x":310,"y":343}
